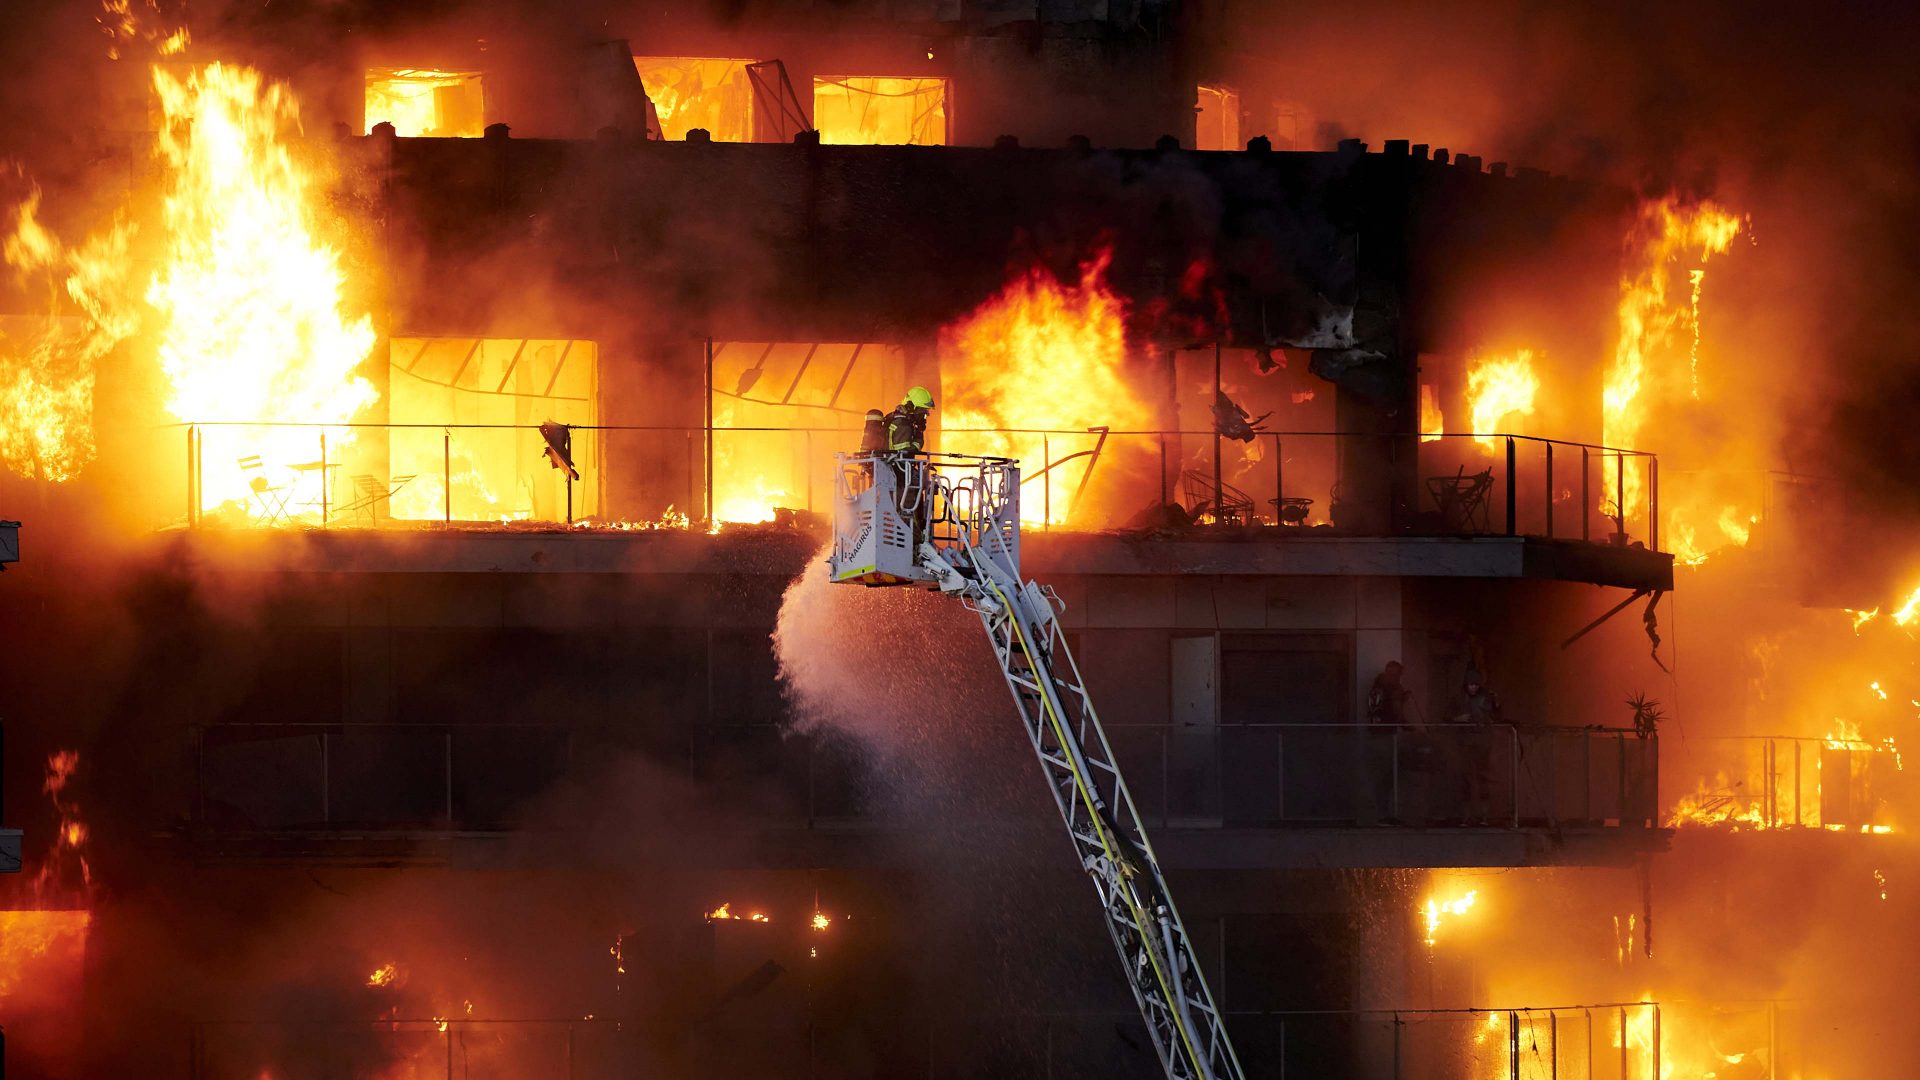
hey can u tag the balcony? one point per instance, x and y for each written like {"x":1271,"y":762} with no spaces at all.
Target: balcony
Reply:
{"x":1285,"y":503}
{"x":1238,"y":796}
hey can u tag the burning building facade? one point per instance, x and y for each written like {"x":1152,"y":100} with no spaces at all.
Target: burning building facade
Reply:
{"x":469,"y":694}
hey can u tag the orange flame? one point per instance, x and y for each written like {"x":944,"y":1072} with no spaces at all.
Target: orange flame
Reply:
{"x":1500,"y":388}
{"x":821,"y":920}
{"x":124,"y":28}
{"x":1908,"y":610}
{"x":1433,"y":424}
{"x":1040,"y":355}
{"x":47,"y":371}
{"x":1438,"y":911}
{"x":249,"y":296}
{"x":38,"y":946}
{"x":1666,"y":232}
{"x":41,"y":948}
{"x":383,"y":976}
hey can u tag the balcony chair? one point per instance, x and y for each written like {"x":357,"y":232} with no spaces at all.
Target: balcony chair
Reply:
{"x":271,"y":500}
{"x":1462,"y":499}
{"x":371,"y":493}
{"x":1228,"y":504}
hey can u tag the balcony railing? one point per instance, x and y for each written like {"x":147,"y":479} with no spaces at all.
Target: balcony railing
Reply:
{"x":1793,"y":782}
{"x":1345,"y":774}
{"x":476,"y":777}
{"x":1287,"y":482}
{"x":1579,"y":1042}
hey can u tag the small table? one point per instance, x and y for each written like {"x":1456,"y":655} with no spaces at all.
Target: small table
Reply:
{"x":321,"y":468}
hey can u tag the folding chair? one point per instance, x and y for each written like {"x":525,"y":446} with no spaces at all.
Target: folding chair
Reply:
{"x":371,"y":493}
{"x":271,"y":500}
{"x":1462,"y":498}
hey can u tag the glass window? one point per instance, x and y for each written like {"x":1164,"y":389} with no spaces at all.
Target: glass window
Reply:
{"x":876,"y":110}
{"x":423,"y":102}
{"x":1217,"y":119}
{"x":699,"y":92}
{"x":505,"y":388}
{"x":780,"y":411}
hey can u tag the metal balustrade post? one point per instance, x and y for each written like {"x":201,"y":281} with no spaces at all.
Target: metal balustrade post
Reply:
{"x":1653,"y":503}
{"x":325,"y":488}
{"x":1549,"y":490}
{"x":1046,"y":481}
{"x":1163,"y":468}
{"x":446,"y":476}
{"x":1512,"y":491}
{"x":1589,"y":1013}
{"x":326,"y":781}
{"x":1513,"y":761}
{"x":1218,"y":481}
{"x":1396,"y":1045}
{"x":1553,"y":1042}
{"x":1620,"y":753}
{"x":709,"y":484}
{"x":1796,"y":782}
{"x":1586,"y":494}
{"x":1653,"y":1066}
{"x":1513,"y":1046}
{"x":187,"y":476}
{"x":1653,"y":789}
{"x":1395,"y":808}
{"x":1620,"y":498}
{"x":1624,"y":1075}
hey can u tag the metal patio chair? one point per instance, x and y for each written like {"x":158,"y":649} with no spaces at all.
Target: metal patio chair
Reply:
{"x":1228,"y":504}
{"x":1462,"y":499}
{"x":370,"y":494}
{"x":271,"y":500}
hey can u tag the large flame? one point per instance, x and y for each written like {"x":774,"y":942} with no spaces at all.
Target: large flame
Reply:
{"x":47,"y":366}
{"x":1433,"y":422}
{"x":41,"y":946}
{"x":249,"y":296}
{"x":1042,"y":355}
{"x":1668,"y":235}
{"x":1500,"y":388}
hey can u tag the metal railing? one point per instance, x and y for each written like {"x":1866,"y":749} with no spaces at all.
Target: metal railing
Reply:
{"x":1792,"y":781}
{"x":318,"y":777}
{"x":1454,"y":484}
{"x":1508,"y":774}
{"x":1609,"y":1041}
{"x":306,"y":777}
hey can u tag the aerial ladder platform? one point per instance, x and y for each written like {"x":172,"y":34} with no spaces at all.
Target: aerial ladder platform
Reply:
{"x":952,"y":521}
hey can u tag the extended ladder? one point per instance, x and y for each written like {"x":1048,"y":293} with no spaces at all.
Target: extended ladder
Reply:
{"x":954,"y":521}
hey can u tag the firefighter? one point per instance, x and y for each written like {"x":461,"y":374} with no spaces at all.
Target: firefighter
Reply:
{"x":907,"y":425}
{"x":1386,"y":716}
{"x":907,"y":436}
{"x":1474,"y":712}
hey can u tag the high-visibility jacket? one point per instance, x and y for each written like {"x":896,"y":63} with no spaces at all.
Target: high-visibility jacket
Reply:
{"x":906,"y":429}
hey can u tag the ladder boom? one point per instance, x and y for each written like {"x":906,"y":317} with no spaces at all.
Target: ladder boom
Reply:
{"x":960,"y":531}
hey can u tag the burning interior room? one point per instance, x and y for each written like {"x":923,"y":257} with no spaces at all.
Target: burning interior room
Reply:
{"x":1428,"y":484}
